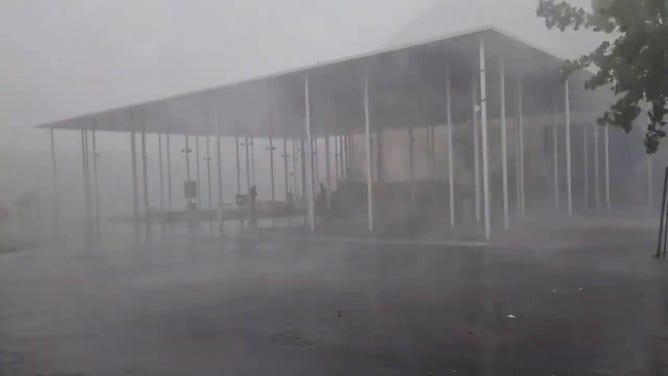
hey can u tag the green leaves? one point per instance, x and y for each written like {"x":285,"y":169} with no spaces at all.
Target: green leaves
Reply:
{"x":634,"y":64}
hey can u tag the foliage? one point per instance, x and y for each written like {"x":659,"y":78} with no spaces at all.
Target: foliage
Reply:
{"x":634,"y":65}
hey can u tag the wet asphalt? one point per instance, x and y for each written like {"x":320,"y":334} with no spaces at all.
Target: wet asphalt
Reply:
{"x":277,"y":305}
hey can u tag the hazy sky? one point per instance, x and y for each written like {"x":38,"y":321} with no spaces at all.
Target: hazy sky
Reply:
{"x":64,"y":58}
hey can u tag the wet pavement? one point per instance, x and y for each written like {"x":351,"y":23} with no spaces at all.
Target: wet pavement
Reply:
{"x":283,"y":306}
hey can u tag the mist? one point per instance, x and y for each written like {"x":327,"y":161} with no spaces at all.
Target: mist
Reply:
{"x":164,"y":212}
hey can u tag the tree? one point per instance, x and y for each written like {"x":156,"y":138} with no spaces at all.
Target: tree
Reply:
{"x":633,"y":63}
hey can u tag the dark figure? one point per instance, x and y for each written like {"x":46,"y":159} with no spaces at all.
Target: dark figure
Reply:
{"x":290,"y":201}
{"x":252,"y":194}
{"x":322,"y":202}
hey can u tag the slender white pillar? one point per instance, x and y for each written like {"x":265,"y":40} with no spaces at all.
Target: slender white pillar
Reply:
{"x":568,"y":150}
{"x":476,"y":147}
{"x":56,"y":194}
{"x":310,"y":204}
{"x":96,"y":189}
{"x":555,"y":156}
{"x":485,"y":156}
{"x":135,"y":191}
{"x":606,"y":149}
{"x":168,"y":151}
{"x":160,"y":175}
{"x":520,"y":131}
{"x":585,"y":160}
{"x":219,"y":174}
{"x":328,"y":173}
{"x":197,"y":173}
{"x":504,"y":143}
{"x":209,"y":200}
{"x":144,"y":170}
{"x":369,"y":177}
{"x":451,"y":180}
{"x":597,"y":179}
{"x":650,"y":183}
{"x":271,"y":167}
{"x":187,"y":152}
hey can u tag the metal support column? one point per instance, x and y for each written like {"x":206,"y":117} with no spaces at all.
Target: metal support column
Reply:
{"x":476,"y":147}
{"x":411,"y":170}
{"x":379,"y":155}
{"x":597,"y":187}
{"x":238,"y":164}
{"x":369,"y":177}
{"x":328,"y":173}
{"x":309,"y":189}
{"x":197,"y":172}
{"x":248,"y":166}
{"x":555,"y":156}
{"x":186,"y":151}
{"x":485,"y":151}
{"x":585,"y":162}
{"x":252,"y":161}
{"x":86,"y":187}
{"x":96,"y":189}
{"x":169,"y":175}
{"x":650,"y":181}
{"x":147,"y":217}
{"x":568,"y":150}
{"x":219,"y":175}
{"x":135,"y":191}
{"x":302,"y":175}
{"x":451,"y":177}
{"x":56,"y":194}
{"x":606,"y":149}
{"x":271,"y":167}
{"x":504,"y":144}
{"x":520,"y":130}
{"x":161,"y":176}
{"x":208,"y":171}
{"x":285,"y":167}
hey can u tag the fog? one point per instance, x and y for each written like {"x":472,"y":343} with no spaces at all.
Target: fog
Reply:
{"x":199,"y":286}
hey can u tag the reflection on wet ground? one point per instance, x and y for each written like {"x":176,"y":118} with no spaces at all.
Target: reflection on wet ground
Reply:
{"x":285,"y":306}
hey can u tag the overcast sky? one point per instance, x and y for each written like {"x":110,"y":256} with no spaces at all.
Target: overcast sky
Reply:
{"x":63,"y":58}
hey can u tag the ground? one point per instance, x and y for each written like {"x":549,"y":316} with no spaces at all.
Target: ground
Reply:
{"x":285,"y":305}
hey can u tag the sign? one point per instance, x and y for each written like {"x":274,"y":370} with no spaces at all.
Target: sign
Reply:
{"x":242,"y":200}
